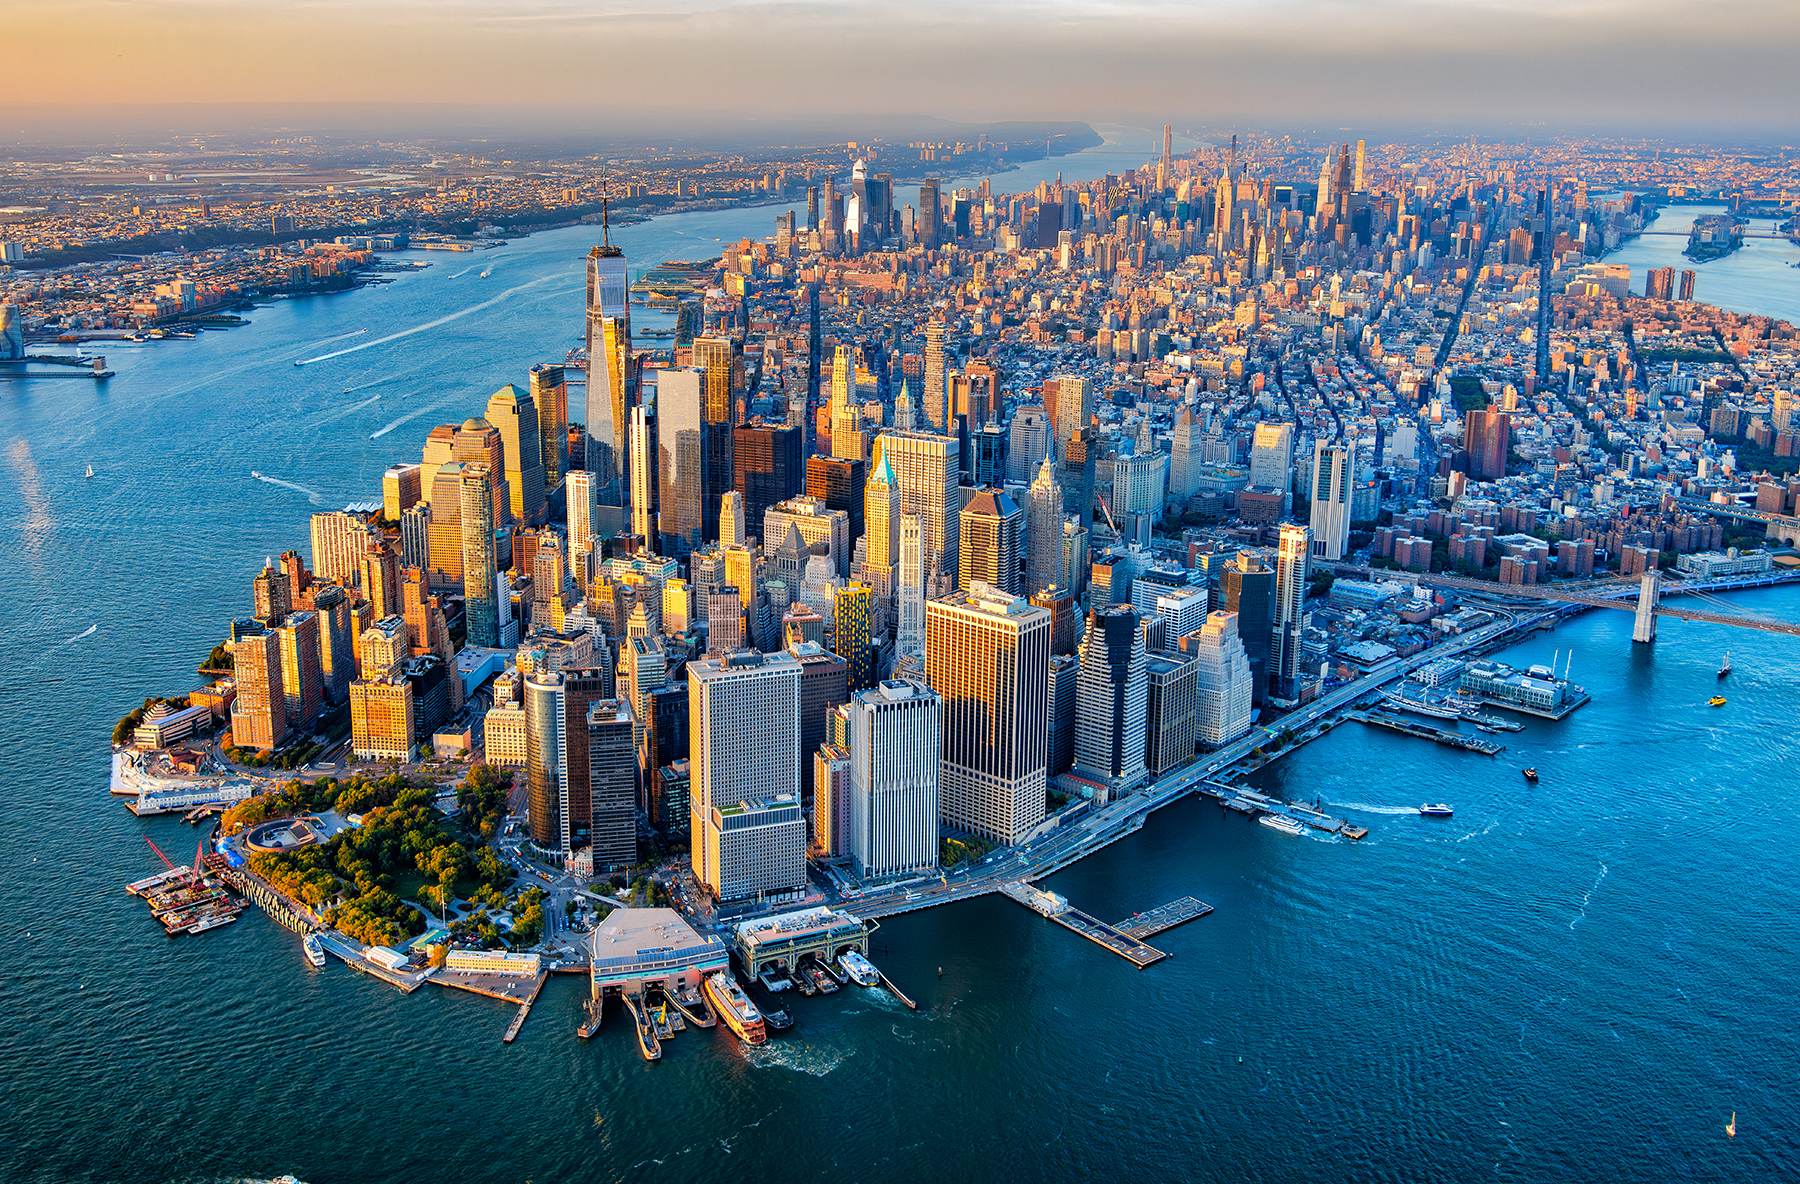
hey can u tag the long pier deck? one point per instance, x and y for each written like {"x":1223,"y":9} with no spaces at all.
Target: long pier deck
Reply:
{"x":1050,"y":905}
{"x":1427,"y":732}
{"x":524,"y":1010}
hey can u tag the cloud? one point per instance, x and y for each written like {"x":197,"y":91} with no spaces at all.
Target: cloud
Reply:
{"x":1602,"y":61}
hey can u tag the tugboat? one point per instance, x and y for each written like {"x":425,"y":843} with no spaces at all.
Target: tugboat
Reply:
{"x":1531,"y":775}
{"x":778,"y":1020}
{"x":1438,"y":811}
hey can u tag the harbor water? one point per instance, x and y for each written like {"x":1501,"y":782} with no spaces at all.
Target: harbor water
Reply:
{"x":1759,"y":277}
{"x":1580,"y":979}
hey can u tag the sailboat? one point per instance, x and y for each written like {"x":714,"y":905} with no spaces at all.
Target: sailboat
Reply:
{"x":1724,"y":667}
{"x":1731,"y":1127}
{"x":90,"y":472}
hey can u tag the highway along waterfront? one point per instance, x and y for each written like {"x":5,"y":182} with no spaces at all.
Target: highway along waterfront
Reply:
{"x":1575,"y":980}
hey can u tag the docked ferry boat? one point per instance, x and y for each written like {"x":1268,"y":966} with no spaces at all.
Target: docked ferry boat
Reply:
{"x":734,"y":1006}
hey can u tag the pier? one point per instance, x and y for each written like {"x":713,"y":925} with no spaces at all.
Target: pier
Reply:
{"x":524,"y":1010}
{"x":646,"y":1031}
{"x":1163,"y":917}
{"x":1056,"y":908}
{"x":1427,"y":732}
{"x":895,"y":991}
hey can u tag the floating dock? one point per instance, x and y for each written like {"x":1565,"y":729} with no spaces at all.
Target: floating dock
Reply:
{"x":1057,"y":909}
{"x":1163,"y":917}
{"x":1427,"y":732}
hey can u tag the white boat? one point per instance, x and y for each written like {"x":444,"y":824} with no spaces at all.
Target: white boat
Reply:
{"x":211,"y":921}
{"x":315,"y":949}
{"x":90,"y":474}
{"x":1282,"y":823}
{"x":1724,"y":667}
{"x":859,"y":968}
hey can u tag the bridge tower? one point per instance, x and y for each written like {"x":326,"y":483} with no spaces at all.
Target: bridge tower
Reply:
{"x":1649,"y":596}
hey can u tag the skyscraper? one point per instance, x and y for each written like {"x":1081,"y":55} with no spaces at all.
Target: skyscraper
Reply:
{"x":550,"y":395}
{"x":1112,"y":703}
{"x":881,"y":525}
{"x":1069,"y":402}
{"x":612,"y":783}
{"x":909,"y":591}
{"x":515,"y":417}
{"x":1169,"y":713}
{"x":847,"y":438}
{"x":547,"y":784}
{"x":1043,"y":529}
{"x":744,"y":720}
{"x":1249,"y":589}
{"x":713,"y":356}
{"x":583,"y":507}
{"x":988,"y":655}
{"x":927,"y":466}
{"x":991,"y":542}
{"x":936,"y":395}
{"x":1357,"y":185}
{"x":850,"y":632}
{"x":838,"y":483}
{"x":582,"y":687}
{"x":302,"y":681}
{"x":768,"y":465}
{"x":1293,"y":551}
{"x":1186,"y":455}
{"x":643,"y":474}
{"x":1330,"y":500}
{"x":259,"y":713}
{"x":608,"y":338}
{"x":680,"y":460}
{"x":731,"y":520}
{"x":480,"y":590}
{"x":1027,"y":443}
{"x":1272,"y":456}
{"x":895,"y":746}
{"x":1486,"y":437}
{"x":930,"y":216}
{"x":478,"y":442}
{"x":1222,"y":682}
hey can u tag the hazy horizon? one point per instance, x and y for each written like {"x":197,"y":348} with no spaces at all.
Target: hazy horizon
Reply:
{"x":554,"y":66}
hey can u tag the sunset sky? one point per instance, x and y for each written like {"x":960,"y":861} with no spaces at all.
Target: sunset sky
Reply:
{"x":1600,"y":63}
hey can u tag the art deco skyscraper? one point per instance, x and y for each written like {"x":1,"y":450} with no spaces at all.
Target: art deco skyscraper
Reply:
{"x":515,"y":417}
{"x":988,"y":655}
{"x":1043,"y":529}
{"x":881,"y":524}
{"x":927,"y":467}
{"x":480,"y":591}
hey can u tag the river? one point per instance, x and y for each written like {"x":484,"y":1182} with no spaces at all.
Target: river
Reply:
{"x":1759,"y":277}
{"x":1578,"y":980}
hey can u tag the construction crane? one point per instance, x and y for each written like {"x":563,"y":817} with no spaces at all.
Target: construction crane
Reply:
{"x":194,"y":873}
{"x":1108,"y":511}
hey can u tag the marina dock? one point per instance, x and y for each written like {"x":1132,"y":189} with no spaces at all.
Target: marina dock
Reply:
{"x":1427,"y":732}
{"x":1248,"y":802}
{"x":1056,"y":908}
{"x":1163,"y":917}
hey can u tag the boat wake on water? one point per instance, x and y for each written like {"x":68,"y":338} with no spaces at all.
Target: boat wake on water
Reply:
{"x":1365,"y":808}
{"x":378,"y":433}
{"x":340,"y":337}
{"x":88,"y":632}
{"x":337,"y":415}
{"x":317,"y":498}
{"x":431,"y":324}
